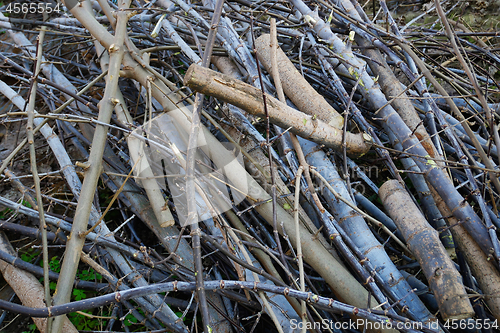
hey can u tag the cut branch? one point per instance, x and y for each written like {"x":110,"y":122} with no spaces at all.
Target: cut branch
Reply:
{"x":249,"y":99}
{"x":445,"y":281}
{"x":295,"y":86}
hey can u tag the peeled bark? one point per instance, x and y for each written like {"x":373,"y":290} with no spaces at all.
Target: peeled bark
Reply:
{"x":295,"y":86}
{"x":250,"y":99}
{"x":444,"y":280}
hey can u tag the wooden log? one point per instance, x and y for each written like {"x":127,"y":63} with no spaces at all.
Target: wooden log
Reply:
{"x":445,"y":281}
{"x":300,"y":92}
{"x":250,"y":99}
{"x":483,"y":269}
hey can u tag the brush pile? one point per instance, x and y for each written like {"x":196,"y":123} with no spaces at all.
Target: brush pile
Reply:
{"x":233,"y":166}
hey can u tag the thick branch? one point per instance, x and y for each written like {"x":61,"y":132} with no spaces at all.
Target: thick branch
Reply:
{"x":444,"y":280}
{"x":249,"y":99}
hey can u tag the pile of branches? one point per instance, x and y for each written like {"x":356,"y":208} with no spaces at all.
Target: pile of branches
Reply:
{"x":286,"y":166}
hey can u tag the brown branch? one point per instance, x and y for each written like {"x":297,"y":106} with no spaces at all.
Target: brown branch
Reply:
{"x":249,"y":99}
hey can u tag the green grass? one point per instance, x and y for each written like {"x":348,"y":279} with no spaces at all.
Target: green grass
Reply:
{"x":80,"y":321}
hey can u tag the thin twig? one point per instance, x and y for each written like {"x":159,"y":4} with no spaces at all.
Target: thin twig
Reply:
{"x":192,"y":218}
{"x":36,"y":179}
{"x":269,"y":150}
